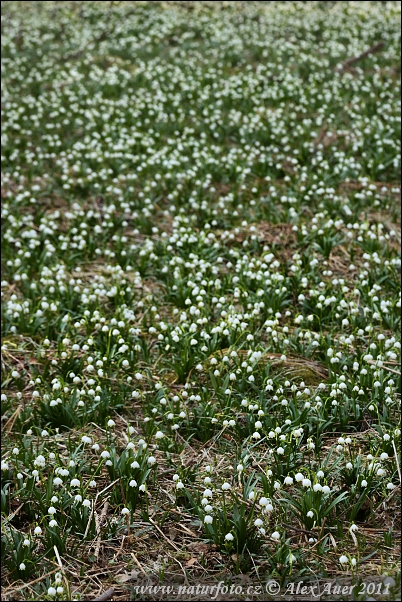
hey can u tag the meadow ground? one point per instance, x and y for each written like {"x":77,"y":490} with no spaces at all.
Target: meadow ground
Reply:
{"x":200,"y":299}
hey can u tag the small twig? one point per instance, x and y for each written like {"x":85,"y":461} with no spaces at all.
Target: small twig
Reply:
{"x":12,"y":419}
{"x":109,"y":593}
{"x":373,"y":363}
{"x":99,"y":522}
{"x":94,"y":504}
{"x":10,"y":518}
{"x":305,"y":531}
{"x":397,"y":461}
{"x":17,"y":589}
{"x":355,"y":59}
{"x":163,"y":535}
{"x":56,"y":551}
{"x":137,"y":562}
{"x":120,"y":549}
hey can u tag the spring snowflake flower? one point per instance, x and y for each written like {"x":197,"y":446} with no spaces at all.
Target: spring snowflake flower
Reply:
{"x":208,"y":520}
{"x":229,"y":537}
{"x":276,"y":536}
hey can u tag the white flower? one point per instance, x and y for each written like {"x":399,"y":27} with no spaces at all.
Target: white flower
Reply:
{"x":258,"y":522}
{"x":208,"y":520}
{"x":159,"y":435}
{"x":229,"y":537}
{"x":343,"y":559}
{"x":125,"y":511}
{"x":51,"y":591}
{"x":207,"y":493}
{"x":111,"y":423}
{"x":310,"y":514}
{"x":151,"y":460}
{"x":75,"y":483}
{"x":37,"y":531}
{"x":51,"y":510}
{"x":22,"y":567}
{"x":276,"y":536}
